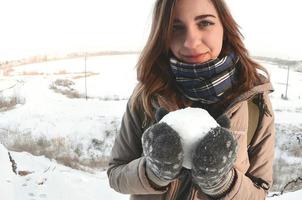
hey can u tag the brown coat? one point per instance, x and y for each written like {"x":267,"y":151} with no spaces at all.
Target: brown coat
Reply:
{"x":127,"y":165}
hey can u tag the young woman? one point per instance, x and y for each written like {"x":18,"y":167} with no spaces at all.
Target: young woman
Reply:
{"x":195,"y":57}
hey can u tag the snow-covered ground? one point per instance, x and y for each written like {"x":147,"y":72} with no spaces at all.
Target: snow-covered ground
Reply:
{"x":47,"y":121}
{"x":50,"y":181}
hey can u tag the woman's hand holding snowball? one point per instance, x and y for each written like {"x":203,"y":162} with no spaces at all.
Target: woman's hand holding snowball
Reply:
{"x":209,"y":148}
{"x":182,"y":139}
{"x":164,"y":153}
{"x":213,"y":161}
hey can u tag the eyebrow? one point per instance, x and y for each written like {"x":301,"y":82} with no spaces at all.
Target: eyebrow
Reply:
{"x":203,"y":16}
{"x":198,"y":17}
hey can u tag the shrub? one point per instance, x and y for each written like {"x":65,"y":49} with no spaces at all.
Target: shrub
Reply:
{"x":11,"y":97}
{"x":64,"y":86}
{"x":65,"y":150}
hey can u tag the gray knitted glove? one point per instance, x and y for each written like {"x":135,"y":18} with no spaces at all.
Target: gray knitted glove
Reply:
{"x":213,"y":161}
{"x":164,"y":154}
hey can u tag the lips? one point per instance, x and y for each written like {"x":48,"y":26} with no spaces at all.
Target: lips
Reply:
{"x":196,"y":58}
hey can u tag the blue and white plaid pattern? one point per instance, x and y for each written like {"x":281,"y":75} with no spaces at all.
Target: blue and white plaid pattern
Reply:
{"x":205,"y":82}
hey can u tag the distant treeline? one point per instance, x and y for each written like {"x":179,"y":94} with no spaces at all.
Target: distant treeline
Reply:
{"x":45,"y":58}
{"x":295,"y":65}
{"x":279,"y":61}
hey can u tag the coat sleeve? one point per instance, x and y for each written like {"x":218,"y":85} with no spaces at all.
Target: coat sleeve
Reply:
{"x":126,"y":170}
{"x":261,"y":155}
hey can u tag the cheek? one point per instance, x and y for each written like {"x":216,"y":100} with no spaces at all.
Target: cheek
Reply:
{"x":174,"y":46}
{"x":214,"y":42}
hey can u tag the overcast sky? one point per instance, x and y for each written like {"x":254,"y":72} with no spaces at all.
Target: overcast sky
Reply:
{"x":270,"y":27}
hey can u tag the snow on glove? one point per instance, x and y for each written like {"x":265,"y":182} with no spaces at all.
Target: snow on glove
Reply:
{"x":213,"y":161}
{"x":164,"y":153}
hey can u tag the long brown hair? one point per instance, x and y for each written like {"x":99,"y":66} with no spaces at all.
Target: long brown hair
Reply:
{"x":153,"y":72}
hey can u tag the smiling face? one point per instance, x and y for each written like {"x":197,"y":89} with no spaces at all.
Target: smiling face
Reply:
{"x":197,"y":35}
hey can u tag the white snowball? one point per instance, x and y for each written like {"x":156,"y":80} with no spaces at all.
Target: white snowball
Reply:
{"x":191,"y":124}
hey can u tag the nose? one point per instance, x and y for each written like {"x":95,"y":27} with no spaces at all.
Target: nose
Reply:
{"x":192,"y":39}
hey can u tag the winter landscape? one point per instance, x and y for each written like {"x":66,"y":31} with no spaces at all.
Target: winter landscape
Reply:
{"x":59,"y":126}
{"x":65,"y":80}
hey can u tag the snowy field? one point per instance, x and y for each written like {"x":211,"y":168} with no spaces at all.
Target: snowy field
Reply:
{"x":51,"y":111}
{"x":53,"y":106}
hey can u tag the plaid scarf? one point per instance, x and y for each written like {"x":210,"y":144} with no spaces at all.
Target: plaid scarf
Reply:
{"x":205,"y":82}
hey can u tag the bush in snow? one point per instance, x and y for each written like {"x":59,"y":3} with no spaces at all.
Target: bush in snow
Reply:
{"x":83,"y":153}
{"x":64,"y":82}
{"x":8,"y":103}
{"x":11,"y":97}
{"x":287,"y":163}
{"x":64,"y":86}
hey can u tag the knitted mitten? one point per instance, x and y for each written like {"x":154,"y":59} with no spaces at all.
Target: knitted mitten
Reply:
{"x":213,"y":161}
{"x":164,"y":154}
